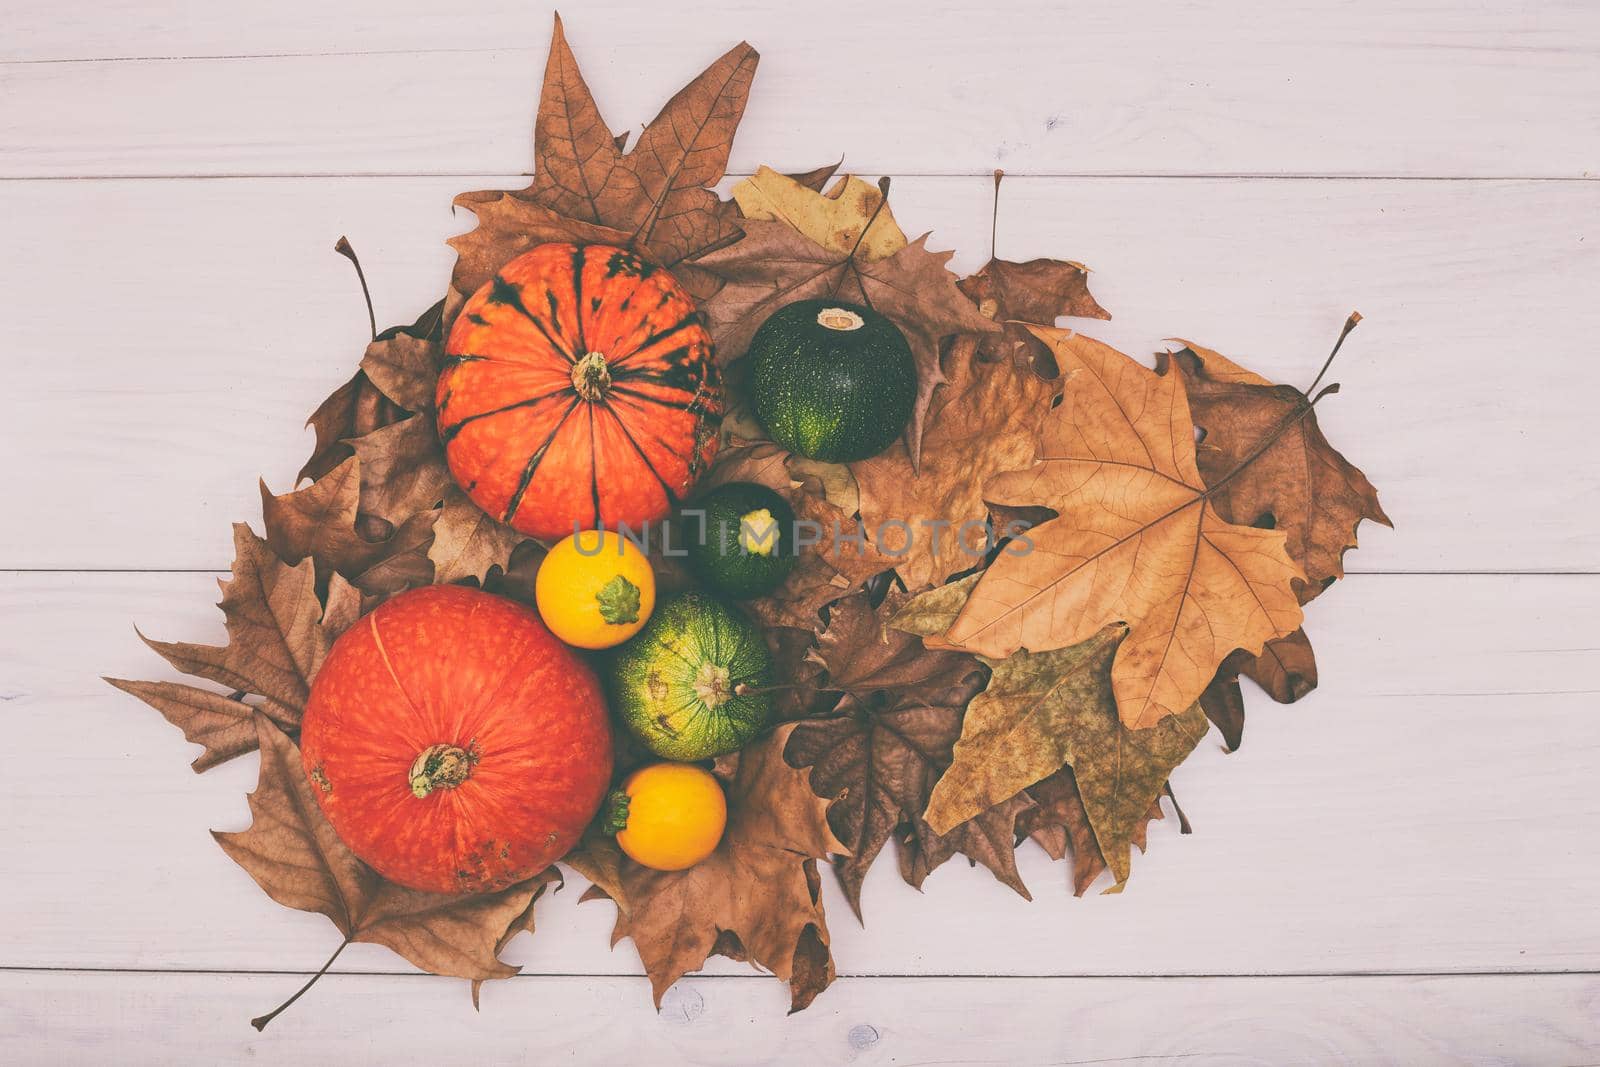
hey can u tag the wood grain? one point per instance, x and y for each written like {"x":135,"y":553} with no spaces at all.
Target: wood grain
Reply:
{"x":1427,"y":809}
{"x":200,"y":1018}
{"x":221,"y":317}
{"x":1417,"y":88}
{"x":1423,"y":810}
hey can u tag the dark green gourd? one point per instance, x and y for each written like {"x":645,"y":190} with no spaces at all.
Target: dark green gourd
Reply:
{"x":831,"y":380}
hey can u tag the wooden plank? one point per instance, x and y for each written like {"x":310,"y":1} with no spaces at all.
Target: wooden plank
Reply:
{"x":169,"y":338}
{"x":1423,"y":811}
{"x":1419,"y":88}
{"x":1524,"y":1019}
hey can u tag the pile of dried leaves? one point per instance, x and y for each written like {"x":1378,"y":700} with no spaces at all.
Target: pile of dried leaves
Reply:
{"x":956,"y":704}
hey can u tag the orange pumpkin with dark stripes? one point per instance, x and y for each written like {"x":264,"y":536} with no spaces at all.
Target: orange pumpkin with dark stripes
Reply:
{"x":578,"y":391}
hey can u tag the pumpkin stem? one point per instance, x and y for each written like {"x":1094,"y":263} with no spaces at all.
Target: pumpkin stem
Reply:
{"x":440,"y":767}
{"x":591,"y":377}
{"x":615,"y":819}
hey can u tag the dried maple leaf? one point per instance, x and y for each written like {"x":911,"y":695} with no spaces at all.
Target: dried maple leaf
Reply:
{"x":403,"y":469}
{"x":1137,"y":540}
{"x":294,"y":855}
{"x":797,"y":676}
{"x":539,"y":883}
{"x":985,"y":420}
{"x":1287,"y":472}
{"x":861,"y":654}
{"x":850,"y":212}
{"x":359,"y":406}
{"x":1045,"y":710}
{"x":1060,"y":826}
{"x":467,"y":541}
{"x":878,"y":756}
{"x":655,"y":198}
{"x":759,"y":886}
{"x":278,"y":634}
{"x":355,"y":408}
{"x":405,"y":368}
{"x":774,"y":265}
{"x":322,"y":522}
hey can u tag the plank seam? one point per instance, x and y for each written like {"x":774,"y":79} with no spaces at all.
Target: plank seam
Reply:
{"x":864,"y":975}
{"x":1241,"y":176}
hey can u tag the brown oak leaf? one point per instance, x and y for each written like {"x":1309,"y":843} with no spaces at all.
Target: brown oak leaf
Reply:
{"x":861,"y":654}
{"x":655,"y":198}
{"x":755,"y":897}
{"x":1137,"y":540}
{"x":1287,"y":472}
{"x":774,"y":265}
{"x":1015,"y":294}
{"x":984,"y":420}
{"x":279,"y":632}
{"x":293,"y":854}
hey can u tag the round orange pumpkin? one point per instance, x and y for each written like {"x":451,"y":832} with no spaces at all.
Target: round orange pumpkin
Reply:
{"x":455,"y":745}
{"x":578,"y":392}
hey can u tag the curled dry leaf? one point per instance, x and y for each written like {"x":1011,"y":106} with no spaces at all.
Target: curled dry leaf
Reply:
{"x":1137,"y":540}
{"x":985,"y":420}
{"x":1038,"y":291}
{"x":1045,"y":710}
{"x":655,"y":198}
{"x":758,"y":888}
{"x":294,"y":855}
{"x":279,"y":632}
{"x":1223,"y":704}
{"x":774,"y":265}
{"x":851,"y":211}
{"x":1286,"y":669}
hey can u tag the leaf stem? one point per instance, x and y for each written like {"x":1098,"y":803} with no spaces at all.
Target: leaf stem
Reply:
{"x":342,"y":246}
{"x":260,"y":1022}
{"x":1349,"y":324}
{"x":994,"y":215}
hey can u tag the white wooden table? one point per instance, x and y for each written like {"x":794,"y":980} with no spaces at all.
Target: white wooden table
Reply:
{"x":1403,"y":868}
